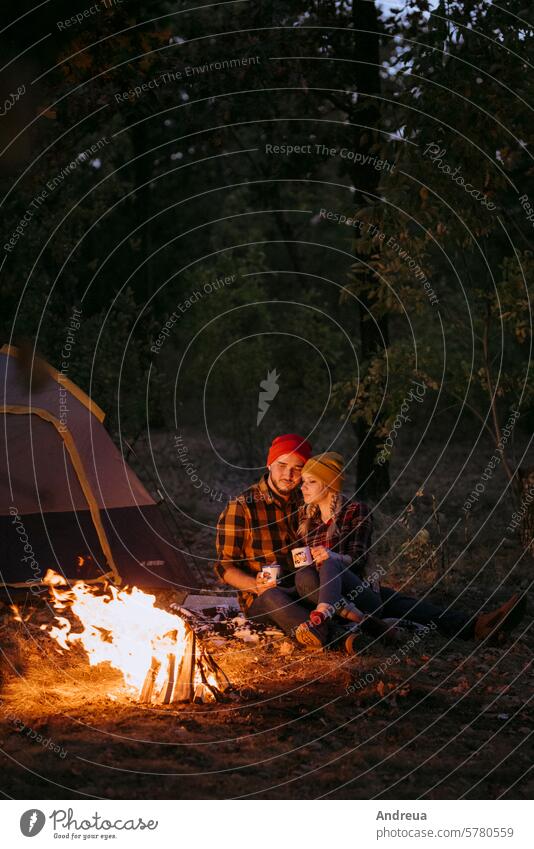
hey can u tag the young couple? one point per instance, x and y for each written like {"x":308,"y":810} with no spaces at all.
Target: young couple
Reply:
{"x":297,"y":502}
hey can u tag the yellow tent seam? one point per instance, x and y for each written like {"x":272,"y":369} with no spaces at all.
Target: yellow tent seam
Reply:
{"x":59,"y":377}
{"x":76,"y":460}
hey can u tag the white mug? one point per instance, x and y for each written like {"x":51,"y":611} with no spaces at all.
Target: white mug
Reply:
{"x":269,"y":574}
{"x":302,"y":556}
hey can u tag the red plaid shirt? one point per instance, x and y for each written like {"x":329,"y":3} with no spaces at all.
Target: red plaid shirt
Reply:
{"x":353,"y":536}
{"x":255,"y":529}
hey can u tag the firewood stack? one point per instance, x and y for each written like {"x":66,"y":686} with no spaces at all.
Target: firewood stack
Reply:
{"x":195,"y":677}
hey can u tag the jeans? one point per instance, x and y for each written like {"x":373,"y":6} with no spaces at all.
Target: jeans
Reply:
{"x":332,"y":583}
{"x":281,"y":606}
{"x":337,"y":581}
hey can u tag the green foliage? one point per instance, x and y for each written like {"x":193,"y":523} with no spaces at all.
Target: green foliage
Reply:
{"x":455,"y":80}
{"x":183,"y":192}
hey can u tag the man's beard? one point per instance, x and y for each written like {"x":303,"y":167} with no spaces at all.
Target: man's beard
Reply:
{"x":288,"y":487}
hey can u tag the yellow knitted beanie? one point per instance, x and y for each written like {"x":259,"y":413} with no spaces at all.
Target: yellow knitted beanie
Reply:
{"x":328,"y":467}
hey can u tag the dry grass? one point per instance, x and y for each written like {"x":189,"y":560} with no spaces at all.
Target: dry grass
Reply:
{"x":438,"y":720}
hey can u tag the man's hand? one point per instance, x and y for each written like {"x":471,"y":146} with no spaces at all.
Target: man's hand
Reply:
{"x":262,"y":584}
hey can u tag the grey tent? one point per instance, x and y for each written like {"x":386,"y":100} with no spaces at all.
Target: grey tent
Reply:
{"x":68,"y":500}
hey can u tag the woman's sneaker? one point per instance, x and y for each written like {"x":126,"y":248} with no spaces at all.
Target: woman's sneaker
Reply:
{"x":313,"y":636}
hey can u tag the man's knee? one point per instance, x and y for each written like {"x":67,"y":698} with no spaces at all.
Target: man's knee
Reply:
{"x":271,"y":599}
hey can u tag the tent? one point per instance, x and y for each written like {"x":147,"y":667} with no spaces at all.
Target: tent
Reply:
{"x":68,"y":500}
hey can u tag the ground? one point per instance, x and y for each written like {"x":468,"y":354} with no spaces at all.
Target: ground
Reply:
{"x":444,"y":720}
{"x":440,"y":719}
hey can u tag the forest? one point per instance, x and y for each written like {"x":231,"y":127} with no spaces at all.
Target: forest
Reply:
{"x":228,"y":221}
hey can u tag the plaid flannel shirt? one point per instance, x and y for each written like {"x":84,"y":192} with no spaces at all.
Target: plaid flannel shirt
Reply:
{"x":255,"y":529}
{"x":355,"y":531}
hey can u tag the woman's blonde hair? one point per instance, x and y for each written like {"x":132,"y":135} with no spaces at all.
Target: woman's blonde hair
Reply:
{"x":311,"y":515}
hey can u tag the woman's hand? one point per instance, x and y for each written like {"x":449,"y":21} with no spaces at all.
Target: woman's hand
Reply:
{"x":320,"y":553}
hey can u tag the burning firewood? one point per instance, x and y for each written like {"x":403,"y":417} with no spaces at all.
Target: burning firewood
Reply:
{"x":147,"y":690}
{"x":160,"y":657}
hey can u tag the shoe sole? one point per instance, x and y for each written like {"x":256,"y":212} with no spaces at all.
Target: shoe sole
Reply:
{"x":349,"y":645}
{"x":307,"y":638}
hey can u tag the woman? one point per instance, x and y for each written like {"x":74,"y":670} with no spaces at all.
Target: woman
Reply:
{"x":338,"y":532}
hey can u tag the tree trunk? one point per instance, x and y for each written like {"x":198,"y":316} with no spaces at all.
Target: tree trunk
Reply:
{"x":372,"y":479}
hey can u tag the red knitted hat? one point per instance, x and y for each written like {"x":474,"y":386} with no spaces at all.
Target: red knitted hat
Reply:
{"x":289,"y":443}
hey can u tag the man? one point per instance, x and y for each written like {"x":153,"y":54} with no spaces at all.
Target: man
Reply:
{"x":259,"y":528}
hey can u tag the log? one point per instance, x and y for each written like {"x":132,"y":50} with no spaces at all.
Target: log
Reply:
{"x":184,"y":687}
{"x":147,"y":690}
{"x":165,"y":695}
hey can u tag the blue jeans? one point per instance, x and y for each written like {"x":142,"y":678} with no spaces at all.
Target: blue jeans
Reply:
{"x":281,"y":606}
{"x":336,"y":581}
{"x":332,"y":583}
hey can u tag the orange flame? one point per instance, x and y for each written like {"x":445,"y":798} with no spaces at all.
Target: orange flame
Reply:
{"x":120,"y":627}
{"x":16,"y":613}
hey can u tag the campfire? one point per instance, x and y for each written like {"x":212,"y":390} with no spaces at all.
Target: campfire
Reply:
{"x":159,"y":655}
